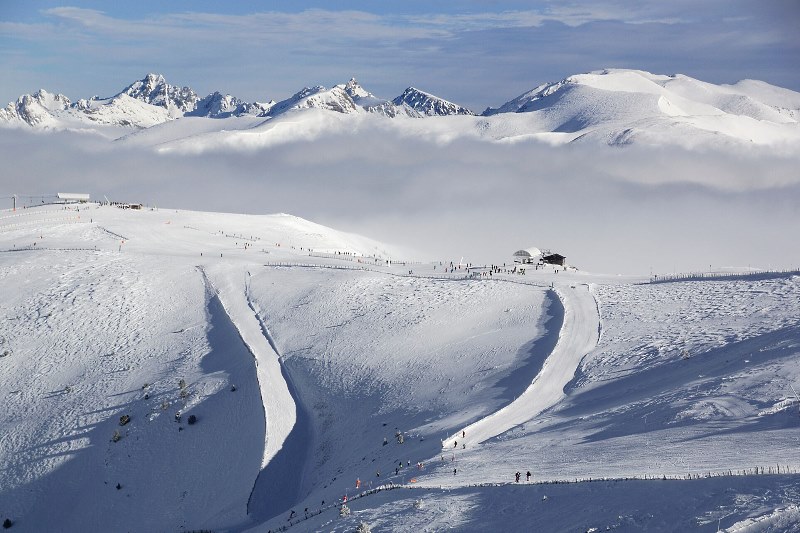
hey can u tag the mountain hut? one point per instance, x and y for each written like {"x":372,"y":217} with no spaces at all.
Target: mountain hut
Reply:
{"x":555,"y":259}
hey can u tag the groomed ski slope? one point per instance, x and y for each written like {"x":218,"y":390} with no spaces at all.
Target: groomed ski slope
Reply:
{"x":298,"y":367}
{"x":579,"y":334}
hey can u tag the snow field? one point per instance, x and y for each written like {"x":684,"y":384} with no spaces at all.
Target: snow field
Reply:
{"x":97,"y":338}
{"x":686,"y":378}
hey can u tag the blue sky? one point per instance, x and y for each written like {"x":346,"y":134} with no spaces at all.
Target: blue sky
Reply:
{"x":476,"y":53}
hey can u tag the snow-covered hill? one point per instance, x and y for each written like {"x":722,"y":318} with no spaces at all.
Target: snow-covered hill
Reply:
{"x":267,"y":367}
{"x":619,"y":106}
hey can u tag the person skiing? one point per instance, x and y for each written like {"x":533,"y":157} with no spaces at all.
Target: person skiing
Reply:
{"x":463,"y":434}
{"x":358,"y":482}
{"x":517,"y":476}
{"x":454,"y":471}
{"x":455,"y":444}
{"x":528,"y":475}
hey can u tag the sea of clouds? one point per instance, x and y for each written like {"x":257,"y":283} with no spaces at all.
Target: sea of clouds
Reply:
{"x":630,"y":210}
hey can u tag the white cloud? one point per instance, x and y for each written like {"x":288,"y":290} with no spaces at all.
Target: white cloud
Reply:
{"x":607,"y":209}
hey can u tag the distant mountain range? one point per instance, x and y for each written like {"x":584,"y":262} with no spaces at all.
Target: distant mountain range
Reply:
{"x":615,"y":106}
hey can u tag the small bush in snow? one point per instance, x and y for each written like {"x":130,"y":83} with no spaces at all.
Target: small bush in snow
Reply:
{"x":7,"y":523}
{"x":418,"y":504}
{"x":344,"y":510}
{"x":192,"y":419}
{"x":116,"y":436}
{"x":363,"y":527}
{"x":182,"y":384}
{"x":124,"y":419}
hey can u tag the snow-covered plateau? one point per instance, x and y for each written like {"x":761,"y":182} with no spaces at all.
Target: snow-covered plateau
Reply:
{"x":165,"y":370}
{"x":613,"y":107}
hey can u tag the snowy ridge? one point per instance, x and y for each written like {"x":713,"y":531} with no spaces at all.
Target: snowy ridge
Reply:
{"x":336,"y":99}
{"x":218,"y":106}
{"x":613,"y":107}
{"x":617,"y":106}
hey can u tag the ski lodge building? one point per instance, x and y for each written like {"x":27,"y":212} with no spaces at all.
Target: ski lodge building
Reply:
{"x":527,"y":256}
{"x":530,"y":256}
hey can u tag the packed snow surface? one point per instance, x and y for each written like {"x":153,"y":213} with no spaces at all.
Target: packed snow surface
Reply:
{"x":169,"y":370}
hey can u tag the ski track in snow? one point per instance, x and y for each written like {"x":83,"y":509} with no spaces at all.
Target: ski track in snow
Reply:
{"x":579,"y":334}
{"x":279,"y":405}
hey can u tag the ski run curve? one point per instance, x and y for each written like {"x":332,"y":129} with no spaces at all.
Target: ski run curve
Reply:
{"x":580,"y":333}
{"x":279,"y":406}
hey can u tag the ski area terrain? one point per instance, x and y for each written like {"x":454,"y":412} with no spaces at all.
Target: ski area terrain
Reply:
{"x":170,"y":370}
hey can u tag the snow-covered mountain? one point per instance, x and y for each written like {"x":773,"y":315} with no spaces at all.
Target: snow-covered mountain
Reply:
{"x":35,"y":109}
{"x":619,"y":106}
{"x":319,"y":97}
{"x":155,"y":90}
{"x":371,"y":103}
{"x":211,"y":371}
{"x":216,"y":105}
{"x":614,"y":107}
{"x":429,"y":105}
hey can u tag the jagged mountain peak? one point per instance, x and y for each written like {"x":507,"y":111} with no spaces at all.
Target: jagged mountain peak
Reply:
{"x":154,"y":89}
{"x":428,"y":104}
{"x":355,"y":90}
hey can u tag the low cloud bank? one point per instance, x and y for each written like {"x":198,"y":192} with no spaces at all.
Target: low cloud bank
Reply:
{"x":613,"y":210}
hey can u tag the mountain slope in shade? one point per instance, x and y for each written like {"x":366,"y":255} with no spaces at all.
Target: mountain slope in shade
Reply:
{"x":428,"y":104}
